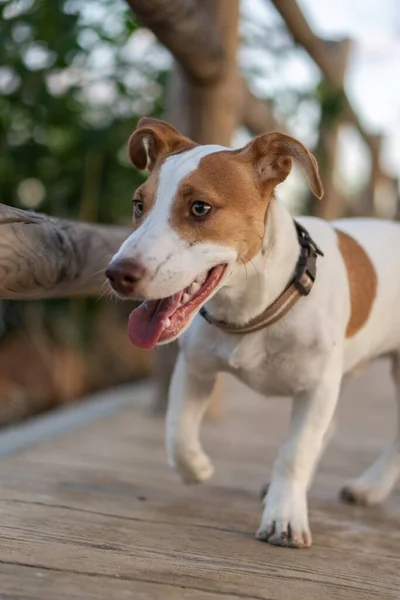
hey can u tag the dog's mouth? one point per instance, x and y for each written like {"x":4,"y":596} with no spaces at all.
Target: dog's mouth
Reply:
{"x":160,"y":321}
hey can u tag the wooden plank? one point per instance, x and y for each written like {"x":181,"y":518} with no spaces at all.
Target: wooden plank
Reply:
{"x":16,"y":437}
{"x":210,"y":559}
{"x":48,"y":584}
{"x":99,"y":504}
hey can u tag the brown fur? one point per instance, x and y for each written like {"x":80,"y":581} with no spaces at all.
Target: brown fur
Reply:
{"x":161,"y":139}
{"x":272,"y":154}
{"x":238,"y":185}
{"x":146,"y":193}
{"x":362,"y":281}
{"x":239,"y":210}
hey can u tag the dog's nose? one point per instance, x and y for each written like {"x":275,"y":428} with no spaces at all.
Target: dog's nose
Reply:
{"x":124,"y":274}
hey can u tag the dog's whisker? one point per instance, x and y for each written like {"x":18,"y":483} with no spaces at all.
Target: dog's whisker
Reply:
{"x":245,"y":266}
{"x":254,"y":266}
{"x":106,"y":292}
{"x":98,"y":272}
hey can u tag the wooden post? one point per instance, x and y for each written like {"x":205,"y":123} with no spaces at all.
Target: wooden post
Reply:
{"x":42,"y":257}
{"x":368,"y":203}
{"x":208,"y":113}
{"x":302,"y":34}
{"x":190,"y":30}
{"x":332,"y":205}
{"x":381,"y":196}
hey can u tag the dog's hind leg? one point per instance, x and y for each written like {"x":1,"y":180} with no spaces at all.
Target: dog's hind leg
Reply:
{"x":189,"y":396}
{"x":376,"y":483}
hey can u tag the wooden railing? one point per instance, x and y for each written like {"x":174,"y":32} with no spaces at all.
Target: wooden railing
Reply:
{"x":208,"y":98}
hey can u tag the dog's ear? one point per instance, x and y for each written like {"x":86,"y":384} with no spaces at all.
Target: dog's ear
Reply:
{"x":272,"y":154}
{"x":153,"y":138}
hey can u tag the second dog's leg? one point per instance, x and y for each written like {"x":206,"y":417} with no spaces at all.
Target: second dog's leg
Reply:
{"x":189,"y":395}
{"x":285,"y":517}
{"x":376,"y":483}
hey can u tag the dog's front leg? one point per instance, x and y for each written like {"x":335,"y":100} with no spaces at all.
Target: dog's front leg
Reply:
{"x":285,"y":517}
{"x":189,"y":394}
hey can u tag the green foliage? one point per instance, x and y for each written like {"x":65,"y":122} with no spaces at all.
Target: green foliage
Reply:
{"x":73,"y":83}
{"x":70,"y":94}
{"x":331,"y":100}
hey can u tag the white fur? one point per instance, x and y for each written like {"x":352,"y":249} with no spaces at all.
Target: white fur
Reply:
{"x":304,"y":355}
{"x":171,"y":263}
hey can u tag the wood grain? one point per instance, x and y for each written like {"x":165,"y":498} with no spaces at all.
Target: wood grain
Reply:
{"x":49,"y":584}
{"x":42,"y":257}
{"x":96,"y":513}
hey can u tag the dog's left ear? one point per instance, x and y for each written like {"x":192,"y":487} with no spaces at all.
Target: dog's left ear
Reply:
{"x":272,"y":155}
{"x":153,"y":139}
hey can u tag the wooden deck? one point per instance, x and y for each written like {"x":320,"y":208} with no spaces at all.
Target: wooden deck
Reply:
{"x":94,"y":512}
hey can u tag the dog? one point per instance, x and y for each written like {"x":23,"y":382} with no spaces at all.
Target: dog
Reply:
{"x":289,"y":307}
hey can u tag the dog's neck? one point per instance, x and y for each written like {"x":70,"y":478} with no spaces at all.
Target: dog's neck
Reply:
{"x":253,"y":286}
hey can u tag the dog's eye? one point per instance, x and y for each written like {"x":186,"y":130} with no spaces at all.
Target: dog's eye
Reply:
{"x":138,"y":208}
{"x":199,"y":209}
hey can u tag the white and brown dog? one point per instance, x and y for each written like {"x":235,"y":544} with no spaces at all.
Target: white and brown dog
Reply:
{"x":209,"y":229}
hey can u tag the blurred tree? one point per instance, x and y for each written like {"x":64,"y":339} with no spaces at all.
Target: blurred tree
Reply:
{"x":70,"y":94}
{"x":73,"y":82}
{"x":74,"y":78}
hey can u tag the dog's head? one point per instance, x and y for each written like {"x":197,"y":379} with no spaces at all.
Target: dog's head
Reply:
{"x":201,"y":212}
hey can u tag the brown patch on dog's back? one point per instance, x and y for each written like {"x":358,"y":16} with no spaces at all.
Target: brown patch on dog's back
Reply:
{"x":362,"y":281}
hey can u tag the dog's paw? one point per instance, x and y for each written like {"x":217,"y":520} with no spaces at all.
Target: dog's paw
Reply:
{"x":285,"y":520}
{"x":280,"y":533}
{"x":193,"y":468}
{"x":355,"y":493}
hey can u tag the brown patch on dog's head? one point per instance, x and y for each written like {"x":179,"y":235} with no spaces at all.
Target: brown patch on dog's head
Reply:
{"x":239,"y":186}
{"x":151,"y":143}
{"x":238,"y":208}
{"x":362,"y":279}
{"x":146,"y":195}
{"x":153,"y":140}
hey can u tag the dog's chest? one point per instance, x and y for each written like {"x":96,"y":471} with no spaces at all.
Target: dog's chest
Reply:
{"x":269,"y":364}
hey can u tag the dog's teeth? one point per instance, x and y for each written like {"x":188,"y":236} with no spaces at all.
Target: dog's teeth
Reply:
{"x":185,"y":298}
{"x":201,"y":279}
{"x":194,"y":287}
{"x":167,"y":323}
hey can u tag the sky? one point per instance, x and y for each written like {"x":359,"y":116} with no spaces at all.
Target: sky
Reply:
{"x":372,"y":78}
{"x":373,"y":74}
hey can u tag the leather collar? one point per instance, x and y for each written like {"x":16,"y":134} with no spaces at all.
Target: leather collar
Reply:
{"x":301,"y":284}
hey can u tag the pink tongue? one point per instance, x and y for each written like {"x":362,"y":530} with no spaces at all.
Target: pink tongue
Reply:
{"x":145,"y":322}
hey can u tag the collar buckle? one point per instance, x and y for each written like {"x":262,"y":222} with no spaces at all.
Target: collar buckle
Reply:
{"x":305,"y":273}
{"x":305,"y":240}
{"x":306,"y":268}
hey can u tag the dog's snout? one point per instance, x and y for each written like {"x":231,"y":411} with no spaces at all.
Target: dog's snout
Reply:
{"x":124,"y":274}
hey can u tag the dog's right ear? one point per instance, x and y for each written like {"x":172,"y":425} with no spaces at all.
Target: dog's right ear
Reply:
{"x":153,"y":138}
{"x":271,"y":154}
